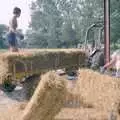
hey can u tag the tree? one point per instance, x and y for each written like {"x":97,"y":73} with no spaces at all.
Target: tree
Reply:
{"x":3,"y":30}
{"x":115,"y":21}
{"x":57,"y":23}
{"x":45,"y":24}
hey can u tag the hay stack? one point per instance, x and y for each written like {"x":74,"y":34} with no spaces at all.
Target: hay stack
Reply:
{"x":101,"y":91}
{"x":26,"y":62}
{"x":3,"y":69}
{"x":47,"y":99}
{"x":81,"y":114}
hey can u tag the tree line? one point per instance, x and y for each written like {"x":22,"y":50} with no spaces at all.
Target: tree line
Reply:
{"x":63,"y":23}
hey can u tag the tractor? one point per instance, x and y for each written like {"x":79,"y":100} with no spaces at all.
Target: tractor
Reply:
{"x":95,"y":47}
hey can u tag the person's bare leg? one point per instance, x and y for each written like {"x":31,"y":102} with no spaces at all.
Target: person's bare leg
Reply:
{"x":14,"y":49}
{"x":10,"y":49}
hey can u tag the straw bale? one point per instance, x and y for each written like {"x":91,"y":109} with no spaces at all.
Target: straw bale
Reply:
{"x":101,"y":91}
{"x":81,"y":114}
{"x":47,"y":99}
{"x":3,"y":69}
{"x":36,"y":60}
{"x":99,"y":98}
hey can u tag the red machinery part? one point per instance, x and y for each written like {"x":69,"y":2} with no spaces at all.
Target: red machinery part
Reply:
{"x":107,"y":30}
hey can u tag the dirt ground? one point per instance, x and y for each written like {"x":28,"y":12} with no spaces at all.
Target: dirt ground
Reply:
{"x":10,"y":106}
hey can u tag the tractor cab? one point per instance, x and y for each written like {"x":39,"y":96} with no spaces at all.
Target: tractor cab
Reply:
{"x":94,"y":47}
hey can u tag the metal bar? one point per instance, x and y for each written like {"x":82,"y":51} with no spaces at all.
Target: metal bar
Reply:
{"x":86,"y":36}
{"x":107,"y":30}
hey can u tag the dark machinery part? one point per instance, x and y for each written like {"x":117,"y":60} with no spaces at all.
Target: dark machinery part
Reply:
{"x":96,"y":58}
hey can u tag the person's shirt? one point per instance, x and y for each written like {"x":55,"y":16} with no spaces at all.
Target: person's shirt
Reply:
{"x":116,"y":57}
{"x":13,"y":24}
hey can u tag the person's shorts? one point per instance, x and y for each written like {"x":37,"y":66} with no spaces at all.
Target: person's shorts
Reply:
{"x":12,"y":39}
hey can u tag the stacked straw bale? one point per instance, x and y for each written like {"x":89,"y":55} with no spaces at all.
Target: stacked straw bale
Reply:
{"x":48,"y":98}
{"x":34,"y":61}
{"x":3,"y":69}
{"x":81,"y":114}
{"x":101,"y":91}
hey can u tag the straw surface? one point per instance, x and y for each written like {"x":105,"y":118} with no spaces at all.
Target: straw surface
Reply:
{"x":47,"y":100}
{"x":99,"y":98}
{"x":36,"y":60}
{"x":101,"y":91}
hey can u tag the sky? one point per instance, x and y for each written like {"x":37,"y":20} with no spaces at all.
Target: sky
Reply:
{"x":6,"y":9}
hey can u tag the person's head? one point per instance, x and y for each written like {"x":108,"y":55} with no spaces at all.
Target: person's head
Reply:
{"x":17,"y":11}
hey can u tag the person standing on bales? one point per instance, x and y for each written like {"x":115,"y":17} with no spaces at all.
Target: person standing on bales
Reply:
{"x":115,"y":61}
{"x":13,"y":24}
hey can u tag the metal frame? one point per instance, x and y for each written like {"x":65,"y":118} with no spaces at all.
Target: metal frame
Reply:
{"x":99,"y":25}
{"x":107,"y":30}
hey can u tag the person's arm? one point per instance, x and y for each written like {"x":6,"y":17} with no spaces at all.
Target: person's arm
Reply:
{"x":102,"y":69}
{"x":109,"y":64}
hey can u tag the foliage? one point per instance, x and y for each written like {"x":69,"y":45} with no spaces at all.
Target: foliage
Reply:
{"x":3,"y":29}
{"x":63,"y":23}
{"x":115,"y":22}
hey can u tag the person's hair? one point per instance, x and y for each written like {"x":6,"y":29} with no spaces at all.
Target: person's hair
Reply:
{"x":16,"y":10}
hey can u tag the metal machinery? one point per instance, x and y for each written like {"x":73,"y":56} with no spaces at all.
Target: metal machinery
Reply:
{"x":97,"y":43}
{"x":107,"y":30}
{"x":96,"y":54}
{"x":106,"y":51}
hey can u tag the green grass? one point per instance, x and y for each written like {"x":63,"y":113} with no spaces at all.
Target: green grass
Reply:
{"x":3,"y":50}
